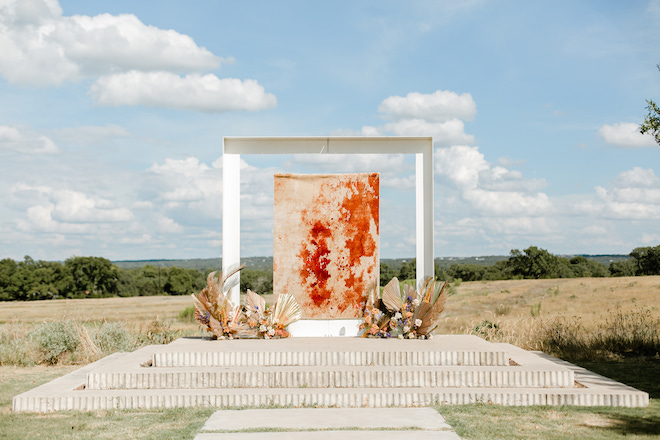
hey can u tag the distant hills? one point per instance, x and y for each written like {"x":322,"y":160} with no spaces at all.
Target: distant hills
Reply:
{"x":266,"y":263}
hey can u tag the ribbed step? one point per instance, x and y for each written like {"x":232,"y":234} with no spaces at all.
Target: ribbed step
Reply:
{"x":329,"y":352}
{"x":127,"y":380}
{"x":342,"y":377}
{"x":343,"y":398}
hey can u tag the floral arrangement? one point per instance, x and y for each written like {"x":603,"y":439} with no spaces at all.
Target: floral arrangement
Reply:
{"x":411,"y":315}
{"x":214,"y":309}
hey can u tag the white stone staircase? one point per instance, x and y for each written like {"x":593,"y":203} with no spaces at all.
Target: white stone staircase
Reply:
{"x":332,"y":372}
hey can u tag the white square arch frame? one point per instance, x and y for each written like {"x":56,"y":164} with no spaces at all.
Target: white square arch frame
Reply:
{"x":233,"y":147}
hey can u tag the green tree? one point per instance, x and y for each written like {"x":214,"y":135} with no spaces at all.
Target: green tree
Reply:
{"x":652,"y":120}
{"x":179,"y":281}
{"x":408,"y":271}
{"x":93,"y":276}
{"x":537,"y":263}
{"x":8,"y":290}
{"x":150,"y":280}
{"x":386,"y":274}
{"x":258,"y":281}
{"x":646,"y":260}
{"x":584,"y":267}
{"x":625,"y":268}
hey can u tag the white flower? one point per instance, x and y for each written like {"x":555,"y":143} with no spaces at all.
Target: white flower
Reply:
{"x":406,"y":329}
{"x":400,"y":336}
{"x":271,"y":332}
{"x":263,"y":328}
{"x":416,"y":302}
{"x":418,"y":322}
{"x":411,"y":336}
{"x":248,"y":313}
{"x":397,"y":316}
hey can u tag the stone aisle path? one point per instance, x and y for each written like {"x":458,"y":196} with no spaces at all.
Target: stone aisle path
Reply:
{"x":327,"y":423}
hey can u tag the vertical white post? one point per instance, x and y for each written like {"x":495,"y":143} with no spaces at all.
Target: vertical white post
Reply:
{"x":231,"y":219}
{"x":424,"y":211}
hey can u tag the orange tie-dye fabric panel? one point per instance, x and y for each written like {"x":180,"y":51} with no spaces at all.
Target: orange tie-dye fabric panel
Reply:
{"x":326,"y":241}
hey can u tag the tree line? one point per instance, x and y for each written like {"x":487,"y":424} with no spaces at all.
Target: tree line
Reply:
{"x":97,"y":277}
{"x":536,"y":263}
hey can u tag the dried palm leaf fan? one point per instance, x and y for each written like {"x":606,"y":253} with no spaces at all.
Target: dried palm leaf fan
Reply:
{"x":286,"y":311}
{"x":392,"y":296}
{"x":214,"y":309}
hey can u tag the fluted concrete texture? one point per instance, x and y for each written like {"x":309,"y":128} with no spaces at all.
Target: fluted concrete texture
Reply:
{"x":136,"y":380}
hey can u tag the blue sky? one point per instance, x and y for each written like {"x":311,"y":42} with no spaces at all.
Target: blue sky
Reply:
{"x":113,"y":114}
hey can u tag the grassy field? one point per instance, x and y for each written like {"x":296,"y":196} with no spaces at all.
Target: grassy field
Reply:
{"x":520,"y":309}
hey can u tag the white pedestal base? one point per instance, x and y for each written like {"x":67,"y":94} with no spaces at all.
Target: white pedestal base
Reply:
{"x":325,"y":328}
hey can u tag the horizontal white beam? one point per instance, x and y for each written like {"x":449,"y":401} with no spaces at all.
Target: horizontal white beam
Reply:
{"x":327,"y":145}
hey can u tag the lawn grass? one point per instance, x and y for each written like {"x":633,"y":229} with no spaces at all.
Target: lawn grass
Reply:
{"x":481,"y":421}
{"x":176,"y":423}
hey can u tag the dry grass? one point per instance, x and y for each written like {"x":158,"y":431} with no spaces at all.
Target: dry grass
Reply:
{"x":565,"y":317}
{"x":533,"y":314}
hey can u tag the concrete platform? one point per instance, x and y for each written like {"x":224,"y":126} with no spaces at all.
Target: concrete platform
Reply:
{"x":446,"y":370}
{"x":327,"y":423}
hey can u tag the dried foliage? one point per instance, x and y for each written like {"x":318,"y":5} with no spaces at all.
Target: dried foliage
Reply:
{"x":410,"y":314}
{"x":224,"y":320}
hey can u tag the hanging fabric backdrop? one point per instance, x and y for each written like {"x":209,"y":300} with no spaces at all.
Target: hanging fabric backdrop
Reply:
{"x":326,"y":241}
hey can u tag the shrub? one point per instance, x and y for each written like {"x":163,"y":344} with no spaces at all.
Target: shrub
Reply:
{"x":157,"y":332}
{"x":55,"y":340}
{"x":113,"y":337}
{"x":486,"y":330}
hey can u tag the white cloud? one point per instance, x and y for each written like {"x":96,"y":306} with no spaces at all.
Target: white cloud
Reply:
{"x":440,"y":106}
{"x":633,"y":195}
{"x":39,"y":46}
{"x":449,"y":132}
{"x":206,"y":93}
{"x":625,"y":135}
{"x":439,"y":114}
{"x":25,"y":141}
{"x":490,"y":190}
{"x":650,"y":239}
{"x":77,"y":207}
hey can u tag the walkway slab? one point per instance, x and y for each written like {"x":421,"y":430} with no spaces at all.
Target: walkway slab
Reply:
{"x":331,"y":435}
{"x":327,"y":423}
{"x":327,"y":418}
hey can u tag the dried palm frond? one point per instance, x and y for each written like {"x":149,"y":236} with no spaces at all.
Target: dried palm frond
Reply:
{"x":392,"y":296}
{"x":287,"y":311}
{"x":437,"y":294}
{"x":255,"y":304}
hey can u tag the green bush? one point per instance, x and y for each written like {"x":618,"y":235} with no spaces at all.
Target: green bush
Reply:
{"x":113,"y":337}
{"x":55,"y":340}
